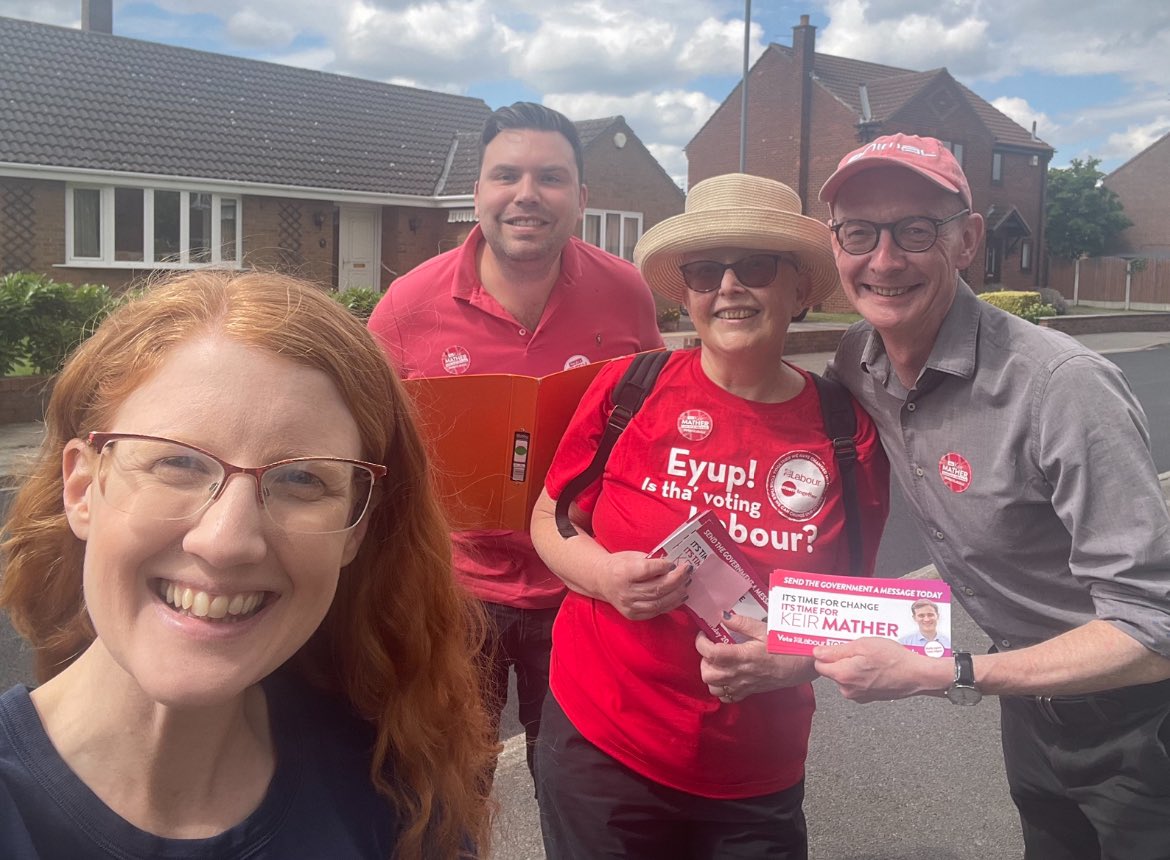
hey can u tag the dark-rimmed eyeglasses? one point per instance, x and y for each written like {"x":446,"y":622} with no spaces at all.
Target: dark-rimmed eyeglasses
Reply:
{"x":161,"y":479}
{"x":913,"y":234}
{"x":754,"y":270}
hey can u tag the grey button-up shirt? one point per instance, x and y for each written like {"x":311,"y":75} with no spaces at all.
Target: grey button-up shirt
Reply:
{"x":1025,"y":460}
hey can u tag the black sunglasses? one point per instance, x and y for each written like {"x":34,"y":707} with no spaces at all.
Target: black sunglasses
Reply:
{"x":754,"y":270}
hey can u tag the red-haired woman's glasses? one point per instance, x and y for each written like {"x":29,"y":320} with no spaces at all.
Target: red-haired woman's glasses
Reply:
{"x":162,"y":479}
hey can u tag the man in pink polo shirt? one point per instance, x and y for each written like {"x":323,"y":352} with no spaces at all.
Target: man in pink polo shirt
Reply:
{"x":522,"y":295}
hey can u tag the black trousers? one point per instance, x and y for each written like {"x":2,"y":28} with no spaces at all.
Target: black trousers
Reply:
{"x":519,"y":639}
{"x":591,"y":806}
{"x":1090,"y":775}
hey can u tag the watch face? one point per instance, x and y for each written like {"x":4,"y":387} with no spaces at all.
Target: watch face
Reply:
{"x":964,"y":695}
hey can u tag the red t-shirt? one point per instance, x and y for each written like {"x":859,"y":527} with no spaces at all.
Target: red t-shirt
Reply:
{"x":438,"y":319}
{"x":633,"y":688}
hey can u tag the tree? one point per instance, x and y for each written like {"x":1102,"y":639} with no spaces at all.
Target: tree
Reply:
{"x":1083,"y":215}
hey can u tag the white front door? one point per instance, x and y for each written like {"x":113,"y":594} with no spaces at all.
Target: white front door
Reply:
{"x":358,"y":247}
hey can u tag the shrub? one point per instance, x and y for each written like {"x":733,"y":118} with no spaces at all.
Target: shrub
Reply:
{"x":359,"y":301}
{"x":1025,"y":304}
{"x":11,"y":323}
{"x":1053,"y":297}
{"x":51,"y":318}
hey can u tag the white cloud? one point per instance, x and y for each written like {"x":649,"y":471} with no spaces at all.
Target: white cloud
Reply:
{"x":859,"y":30}
{"x":664,"y":121}
{"x":1124,"y":145}
{"x":1024,"y":114}
{"x":249,"y":26}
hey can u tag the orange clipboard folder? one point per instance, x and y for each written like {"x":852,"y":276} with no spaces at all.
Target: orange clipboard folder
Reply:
{"x":491,"y":438}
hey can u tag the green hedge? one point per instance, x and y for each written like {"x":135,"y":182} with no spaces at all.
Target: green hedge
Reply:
{"x":42,"y":320}
{"x":1024,"y":304}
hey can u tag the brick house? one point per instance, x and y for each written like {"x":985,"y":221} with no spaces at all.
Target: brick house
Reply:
{"x":121,"y":157}
{"x":806,"y":110}
{"x":1141,"y":184}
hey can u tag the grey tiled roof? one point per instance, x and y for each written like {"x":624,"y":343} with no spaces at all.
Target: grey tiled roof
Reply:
{"x":588,"y":129}
{"x":94,"y":101}
{"x":890,"y":88}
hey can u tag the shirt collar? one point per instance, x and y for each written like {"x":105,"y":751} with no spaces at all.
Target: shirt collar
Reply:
{"x":954,"y":349}
{"x":467,"y":283}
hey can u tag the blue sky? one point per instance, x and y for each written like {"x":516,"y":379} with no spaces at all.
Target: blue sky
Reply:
{"x":1094,"y":77}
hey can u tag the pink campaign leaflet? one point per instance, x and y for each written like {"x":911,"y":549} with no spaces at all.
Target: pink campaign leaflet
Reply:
{"x":810,"y":609}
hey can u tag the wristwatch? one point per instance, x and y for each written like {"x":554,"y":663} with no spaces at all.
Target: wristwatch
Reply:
{"x":963,"y":691}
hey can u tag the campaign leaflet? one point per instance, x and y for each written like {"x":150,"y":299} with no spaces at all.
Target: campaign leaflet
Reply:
{"x":722,"y":580}
{"x":810,"y":609}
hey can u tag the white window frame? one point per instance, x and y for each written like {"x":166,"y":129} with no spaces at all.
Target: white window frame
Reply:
{"x":625,"y":244}
{"x":996,"y":168}
{"x":106,"y":258}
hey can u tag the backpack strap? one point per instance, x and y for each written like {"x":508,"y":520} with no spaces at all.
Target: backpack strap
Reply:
{"x":628,"y":397}
{"x":841,"y":427}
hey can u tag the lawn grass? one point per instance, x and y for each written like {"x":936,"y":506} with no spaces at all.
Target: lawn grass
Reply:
{"x":819,"y":317}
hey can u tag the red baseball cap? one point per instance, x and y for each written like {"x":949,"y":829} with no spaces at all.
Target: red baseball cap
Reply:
{"x":924,"y":155}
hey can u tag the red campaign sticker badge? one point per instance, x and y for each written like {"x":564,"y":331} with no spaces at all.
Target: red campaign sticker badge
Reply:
{"x":955,"y":472}
{"x":695,"y":424}
{"x":456,"y":359}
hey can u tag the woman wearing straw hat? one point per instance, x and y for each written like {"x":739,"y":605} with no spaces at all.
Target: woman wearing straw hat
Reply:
{"x":657,"y":742}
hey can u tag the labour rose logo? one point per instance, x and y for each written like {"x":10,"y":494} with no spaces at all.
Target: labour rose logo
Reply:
{"x":955,"y":472}
{"x":796,"y":485}
{"x":456,"y":359}
{"x":695,"y":424}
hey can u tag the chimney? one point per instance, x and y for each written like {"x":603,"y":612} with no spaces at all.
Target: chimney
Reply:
{"x":97,"y":16}
{"x":804,"y":46}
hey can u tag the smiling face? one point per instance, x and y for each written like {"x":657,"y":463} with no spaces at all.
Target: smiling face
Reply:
{"x":250,"y":407}
{"x":927,"y":618}
{"x":735,"y":318}
{"x":903,"y":294}
{"x":528,"y":197}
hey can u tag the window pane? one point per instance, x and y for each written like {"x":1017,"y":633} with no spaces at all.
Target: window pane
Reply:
{"x":593,"y":230}
{"x":996,"y":167}
{"x":166,"y":226}
{"x":128,"y":211}
{"x":199,"y":227}
{"x":227,"y":230}
{"x":1025,"y":256}
{"x":613,"y":233}
{"x":958,"y":151}
{"x":629,"y":237}
{"x":87,"y":222}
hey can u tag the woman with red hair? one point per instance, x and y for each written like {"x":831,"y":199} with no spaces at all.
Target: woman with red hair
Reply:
{"x":237,"y":584}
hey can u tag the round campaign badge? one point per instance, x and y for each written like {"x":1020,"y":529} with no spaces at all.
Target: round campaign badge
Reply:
{"x":796,"y":485}
{"x":577,"y":360}
{"x":695,"y":424}
{"x":934,"y":648}
{"x":456,"y":359}
{"x":955,"y":472}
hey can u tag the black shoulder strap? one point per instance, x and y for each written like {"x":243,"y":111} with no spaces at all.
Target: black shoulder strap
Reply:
{"x":628,"y":397}
{"x":841,"y":426}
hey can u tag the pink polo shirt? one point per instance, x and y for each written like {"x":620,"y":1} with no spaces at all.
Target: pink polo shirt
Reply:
{"x":438,"y":318}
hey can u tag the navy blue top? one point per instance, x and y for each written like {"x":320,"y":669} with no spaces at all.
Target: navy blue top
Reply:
{"x":320,"y":803}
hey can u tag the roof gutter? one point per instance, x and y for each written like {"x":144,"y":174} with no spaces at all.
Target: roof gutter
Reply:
{"x":221,"y":186}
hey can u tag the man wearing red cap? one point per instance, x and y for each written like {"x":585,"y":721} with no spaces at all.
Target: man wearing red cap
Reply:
{"x":1025,"y":460}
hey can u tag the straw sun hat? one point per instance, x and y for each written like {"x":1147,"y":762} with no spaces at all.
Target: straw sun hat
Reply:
{"x":737,"y":211}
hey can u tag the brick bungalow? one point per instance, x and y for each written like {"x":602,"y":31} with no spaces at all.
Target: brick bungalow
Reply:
{"x":120,"y":157}
{"x":806,"y":110}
